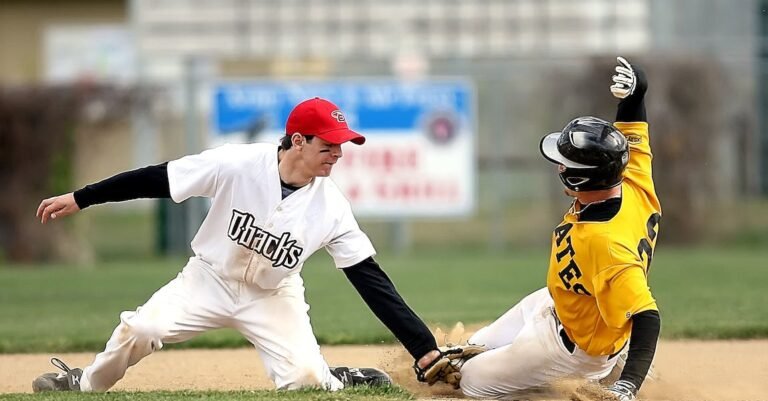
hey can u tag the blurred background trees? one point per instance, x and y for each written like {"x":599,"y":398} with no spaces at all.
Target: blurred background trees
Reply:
{"x":39,"y":127}
{"x":535,"y":64}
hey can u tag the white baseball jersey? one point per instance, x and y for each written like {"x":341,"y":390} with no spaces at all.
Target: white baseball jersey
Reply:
{"x":250,"y":233}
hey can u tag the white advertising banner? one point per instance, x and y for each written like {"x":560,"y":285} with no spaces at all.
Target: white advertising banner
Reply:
{"x":419,"y":157}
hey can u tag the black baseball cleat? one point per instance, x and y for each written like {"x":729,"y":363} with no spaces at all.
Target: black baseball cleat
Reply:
{"x":68,"y":380}
{"x":351,"y":377}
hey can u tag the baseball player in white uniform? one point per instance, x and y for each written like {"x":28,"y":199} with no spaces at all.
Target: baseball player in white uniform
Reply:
{"x":271,"y":208}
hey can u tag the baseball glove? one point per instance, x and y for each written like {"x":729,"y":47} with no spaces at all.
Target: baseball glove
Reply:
{"x":447,"y":367}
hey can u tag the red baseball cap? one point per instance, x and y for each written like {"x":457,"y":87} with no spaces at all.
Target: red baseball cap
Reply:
{"x":322,"y":119}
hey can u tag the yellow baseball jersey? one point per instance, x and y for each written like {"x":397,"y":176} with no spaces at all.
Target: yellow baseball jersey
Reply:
{"x":598,"y":269}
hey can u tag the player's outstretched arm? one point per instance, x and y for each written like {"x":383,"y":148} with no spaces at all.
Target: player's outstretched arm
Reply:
{"x":630,"y":85}
{"x":381,"y":296}
{"x":147,"y":182}
{"x":57,"y":207}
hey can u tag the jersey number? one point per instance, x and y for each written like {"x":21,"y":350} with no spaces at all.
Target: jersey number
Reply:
{"x":645,"y":247}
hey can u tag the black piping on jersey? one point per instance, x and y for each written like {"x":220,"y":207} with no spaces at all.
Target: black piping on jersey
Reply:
{"x":646,"y":327}
{"x":146,"y":182}
{"x":603,"y":211}
{"x":379,"y":293}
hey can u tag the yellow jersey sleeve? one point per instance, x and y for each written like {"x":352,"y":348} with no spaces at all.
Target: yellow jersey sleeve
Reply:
{"x":621,"y":290}
{"x":638,"y":170}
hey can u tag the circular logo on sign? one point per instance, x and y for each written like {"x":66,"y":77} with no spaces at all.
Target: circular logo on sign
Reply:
{"x":442,"y":128}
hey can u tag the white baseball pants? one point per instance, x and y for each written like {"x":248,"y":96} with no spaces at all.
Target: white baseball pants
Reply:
{"x":526,"y":352}
{"x":198,"y":300}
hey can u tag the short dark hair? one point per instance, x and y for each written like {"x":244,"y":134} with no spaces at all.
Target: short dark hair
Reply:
{"x":286,"y":143}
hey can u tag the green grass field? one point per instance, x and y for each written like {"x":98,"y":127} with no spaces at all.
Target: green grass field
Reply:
{"x":352,"y":394}
{"x":702,"y":293}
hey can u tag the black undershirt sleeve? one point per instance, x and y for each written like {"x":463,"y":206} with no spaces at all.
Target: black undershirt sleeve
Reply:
{"x":642,"y":346}
{"x":378,"y":291}
{"x":147,"y":182}
{"x":632,"y":107}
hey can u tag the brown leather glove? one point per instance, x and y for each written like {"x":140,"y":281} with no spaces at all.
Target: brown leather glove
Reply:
{"x":447,"y":367}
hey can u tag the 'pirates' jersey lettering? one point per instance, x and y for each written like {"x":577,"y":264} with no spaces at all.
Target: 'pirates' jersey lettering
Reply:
{"x":567,"y":251}
{"x":571,"y":271}
{"x":561,"y":231}
{"x":282,"y":251}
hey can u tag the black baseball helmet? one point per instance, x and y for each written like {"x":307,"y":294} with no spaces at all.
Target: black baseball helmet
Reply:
{"x":591,"y":151}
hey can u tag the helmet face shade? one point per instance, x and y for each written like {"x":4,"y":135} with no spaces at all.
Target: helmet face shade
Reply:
{"x":591,"y":151}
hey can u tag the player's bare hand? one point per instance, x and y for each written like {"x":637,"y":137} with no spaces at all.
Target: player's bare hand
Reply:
{"x":57,"y":207}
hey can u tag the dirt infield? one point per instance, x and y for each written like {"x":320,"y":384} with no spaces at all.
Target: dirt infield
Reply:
{"x":689,"y":370}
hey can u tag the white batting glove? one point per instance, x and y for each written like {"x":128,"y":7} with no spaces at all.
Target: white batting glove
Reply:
{"x":622,"y":390}
{"x":625,"y":80}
